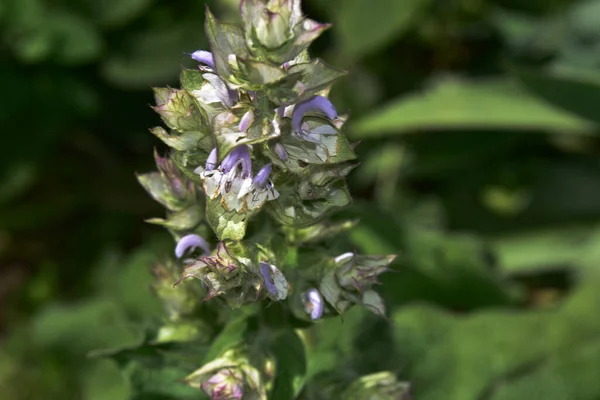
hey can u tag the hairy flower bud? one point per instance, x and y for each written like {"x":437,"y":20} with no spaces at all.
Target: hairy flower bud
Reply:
{"x":360,"y":273}
{"x":226,"y":384}
{"x":228,"y":377}
{"x":169,"y":186}
{"x":381,"y":386}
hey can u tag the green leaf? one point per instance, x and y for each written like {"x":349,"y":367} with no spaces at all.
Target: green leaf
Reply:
{"x":191,"y":79}
{"x":180,"y":220}
{"x":365,"y":26}
{"x":81,"y":327}
{"x":112,"y":13}
{"x":156,"y":371}
{"x":291,"y":210}
{"x":187,"y":140}
{"x":572,"y":90}
{"x":178,"y":109}
{"x":260,"y":73}
{"x":504,"y":355}
{"x":303,"y":81}
{"x":290,"y":365}
{"x":559,"y":247}
{"x":459,"y":104}
{"x":151,"y":57}
{"x":227,"y":224}
{"x":225,"y":40}
{"x":230,"y":337}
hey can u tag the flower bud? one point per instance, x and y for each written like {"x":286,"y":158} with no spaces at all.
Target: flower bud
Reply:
{"x":226,"y":384}
{"x":229,"y":376}
{"x":381,"y":386}
{"x":360,"y":273}
{"x":169,"y":186}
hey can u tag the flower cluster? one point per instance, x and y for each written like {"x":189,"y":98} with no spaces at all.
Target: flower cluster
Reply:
{"x":254,"y":139}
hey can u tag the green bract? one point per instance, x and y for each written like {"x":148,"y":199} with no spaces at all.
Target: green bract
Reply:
{"x":251,"y":130}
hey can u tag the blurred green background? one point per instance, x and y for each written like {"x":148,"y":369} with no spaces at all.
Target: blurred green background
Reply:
{"x":478,"y":122}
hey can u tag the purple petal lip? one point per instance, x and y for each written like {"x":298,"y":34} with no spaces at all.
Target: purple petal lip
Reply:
{"x":280,"y":150}
{"x":315,"y":103}
{"x":265,"y":270}
{"x":205,"y":57}
{"x":262,"y":176}
{"x":246,"y":121}
{"x":188,"y":242}
{"x":316,"y":301}
{"x":211,"y":161}
{"x":239,"y":155}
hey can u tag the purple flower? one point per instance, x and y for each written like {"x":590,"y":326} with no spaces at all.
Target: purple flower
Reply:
{"x":313,"y":303}
{"x":238,"y":156}
{"x":280,"y":150}
{"x":188,"y":242}
{"x":265,"y":270}
{"x":262,"y":177}
{"x":246,"y":121}
{"x":275,"y":282}
{"x":205,"y":57}
{"x":315,"y":103}
{"x":211,"y":161}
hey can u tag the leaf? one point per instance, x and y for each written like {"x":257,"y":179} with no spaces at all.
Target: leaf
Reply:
{"x":559,"y":247}
{"x":188,"y":140}
{"x":227,"y":224}
{"x":113,"y":13}
{"x":504,"y":354}
{"x":572,"y":90}
{"x":303,"y":81}
{"x":225,"y":40}
{"x":80,"y":327}
{"x":290,"y":365}
{"x":182,"y":220}
{"x":456,"y":104}
{"x":231,"y":336}
{"x":150,"y":57}
{"x":365,"y":26}
{"x":156,"y":371}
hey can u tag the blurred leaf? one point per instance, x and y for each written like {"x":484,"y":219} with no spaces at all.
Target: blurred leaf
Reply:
{"x":560,"y":247}
{"x":231,"y":336}
{"x":82,"y":327}
{"x":573,"y":91}
{"x":456,"y":104}
{"x":114,"y":13}
{"x":504,"y":355}
{"x":151,"y":57}
{"x":290,"y":365}
{"x":363,"y":31}
{"x":155,"y":371}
